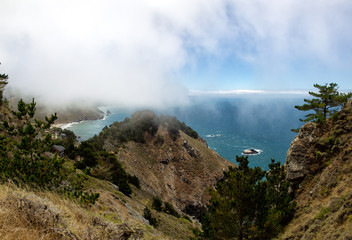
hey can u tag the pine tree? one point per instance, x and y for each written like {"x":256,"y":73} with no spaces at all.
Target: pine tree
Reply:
{"x":234,"y":205}
{"x":326,"y":102}
{"x":246,"y":206}
{"x":25,"y":149}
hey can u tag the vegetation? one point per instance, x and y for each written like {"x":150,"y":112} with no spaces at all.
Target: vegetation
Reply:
{"x":326,"y":102}
{"x":141,"y":123}
{"x":245,"y":206}
{"x":3,"y":83}
{"x":147,"y":214}
{"x":25,"y":147}
{"x":68,"y":141}
{"x":166,"y":207}
{"x":95,"y":161}
{"x":173,"y":126}
{"x":37,"y":175}
{"x":26,"y":157}
{"x":169,"y":209}
{"x":157,"y":204}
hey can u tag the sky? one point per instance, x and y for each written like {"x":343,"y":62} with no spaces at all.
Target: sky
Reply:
{"x":160,"y":52}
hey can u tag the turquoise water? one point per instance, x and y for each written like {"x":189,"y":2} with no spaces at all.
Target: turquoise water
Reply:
{"x":229,"y":125}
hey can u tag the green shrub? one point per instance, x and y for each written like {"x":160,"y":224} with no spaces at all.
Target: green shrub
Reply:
{"x":187,"y":218}
{"x":134,"y":181}
{"x":323,"y":213}
{"x":147,"y":214}
{"x":318,"y":155}
{"x":169,"y":209}
{"x":88,"y":198}
{"x":157,"y":204}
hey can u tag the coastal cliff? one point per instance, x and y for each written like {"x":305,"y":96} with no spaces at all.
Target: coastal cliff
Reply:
{"x":177,"y":167}
{"x":319,"y":167}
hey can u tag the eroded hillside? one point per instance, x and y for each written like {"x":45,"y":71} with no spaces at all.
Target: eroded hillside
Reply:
{"x":174,"y":165}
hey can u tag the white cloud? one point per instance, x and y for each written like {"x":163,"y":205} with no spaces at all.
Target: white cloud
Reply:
{"x":132,"y":52}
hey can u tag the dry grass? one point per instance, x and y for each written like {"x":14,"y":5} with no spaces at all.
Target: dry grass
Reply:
{"x":25,"y":214}
{"x":325,"y":214}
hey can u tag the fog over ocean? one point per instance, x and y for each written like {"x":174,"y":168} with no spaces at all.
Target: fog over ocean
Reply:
{"x":229,"y":125}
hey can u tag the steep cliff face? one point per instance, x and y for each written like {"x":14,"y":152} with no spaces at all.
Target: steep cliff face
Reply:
{"x":319,"y":166}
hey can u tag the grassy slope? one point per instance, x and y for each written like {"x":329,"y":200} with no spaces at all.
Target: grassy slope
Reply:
{"x":29,"y":214}
{"x":325,"y":198}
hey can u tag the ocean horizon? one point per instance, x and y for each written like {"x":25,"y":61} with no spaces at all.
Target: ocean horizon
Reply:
{"x":229,"y":125}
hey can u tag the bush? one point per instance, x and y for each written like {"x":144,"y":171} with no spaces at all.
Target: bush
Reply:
{"x":169,"y":209}
{"x":147,"y":214}
{"x":157,"y":204}
{"x":140,"y":124}
{"x":134,"y":181}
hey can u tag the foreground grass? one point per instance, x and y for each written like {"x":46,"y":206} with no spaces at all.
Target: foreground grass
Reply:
{"x":28,"y":214}
{"x":38,"y":214}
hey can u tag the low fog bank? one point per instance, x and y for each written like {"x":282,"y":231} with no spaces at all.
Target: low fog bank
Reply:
{"x":248,"y":112}
{"x":129,"y":95}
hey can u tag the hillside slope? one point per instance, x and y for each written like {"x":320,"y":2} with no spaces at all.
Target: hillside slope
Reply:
{"x":178,"y":167}
{"x":319,"y":166}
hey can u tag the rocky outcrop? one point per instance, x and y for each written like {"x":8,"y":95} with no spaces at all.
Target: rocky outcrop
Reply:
{"x":299,"y":159}
{"x":315,"y":143}
{"x":319,"y":166}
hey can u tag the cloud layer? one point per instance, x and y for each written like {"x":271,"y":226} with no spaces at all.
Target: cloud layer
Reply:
{"x":134,"y":52}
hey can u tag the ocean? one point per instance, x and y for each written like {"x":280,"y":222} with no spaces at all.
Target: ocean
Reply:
{"x":229,"y":125}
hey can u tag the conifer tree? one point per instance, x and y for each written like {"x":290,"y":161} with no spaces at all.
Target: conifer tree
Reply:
{"x":234,"y":204}
{"x":326,"y":102}
{"x":25,"y":149}
{"x":246,"y":206}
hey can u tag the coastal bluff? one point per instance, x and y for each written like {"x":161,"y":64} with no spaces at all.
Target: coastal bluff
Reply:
{"x":170,"y":160}
{"x":319,"y":167}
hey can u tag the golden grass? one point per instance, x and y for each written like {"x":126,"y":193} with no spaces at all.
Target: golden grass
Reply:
{"x":26,"y":214}
{"x":23,"y":215}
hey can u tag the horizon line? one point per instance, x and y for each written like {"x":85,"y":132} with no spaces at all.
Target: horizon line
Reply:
{"x":247,"y":92}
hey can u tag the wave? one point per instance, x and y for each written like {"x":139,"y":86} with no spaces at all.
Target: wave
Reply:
{"x":68,"y":125}
{"x":106,"y":111}
{"x":104,"y":117}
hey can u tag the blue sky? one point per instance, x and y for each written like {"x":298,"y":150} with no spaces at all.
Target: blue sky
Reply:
{"x":147,"y":52}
